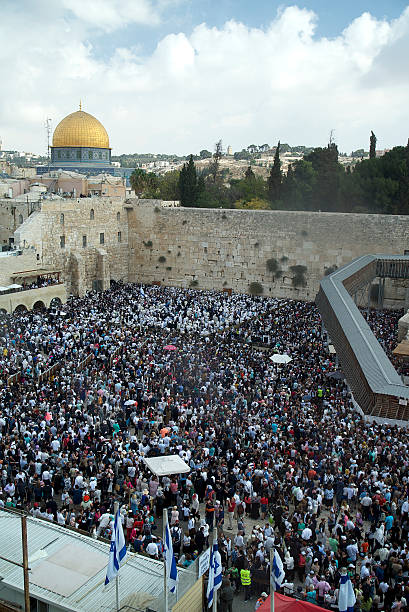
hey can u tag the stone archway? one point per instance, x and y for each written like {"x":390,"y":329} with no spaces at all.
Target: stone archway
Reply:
{"x":20,"y":309}
{"x":39,"y":305}
{"x":55,"y":303}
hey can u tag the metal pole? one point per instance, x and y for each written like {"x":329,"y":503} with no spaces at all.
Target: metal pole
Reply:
{"x":165,"y":578}
{"x":271,"y":580}
{"x":25,"y":564}
{"x":214,"y":592}
{"x":116,"y":508}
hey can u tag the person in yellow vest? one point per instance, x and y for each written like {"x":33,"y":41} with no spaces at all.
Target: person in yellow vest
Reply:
{"x":245,"y":578}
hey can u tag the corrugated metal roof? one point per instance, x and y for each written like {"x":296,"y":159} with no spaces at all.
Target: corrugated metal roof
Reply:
{"x":138,"y":574}
{"x":378,"y":370}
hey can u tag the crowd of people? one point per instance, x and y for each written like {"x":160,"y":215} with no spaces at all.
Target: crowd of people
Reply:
{"x":279,"y":456}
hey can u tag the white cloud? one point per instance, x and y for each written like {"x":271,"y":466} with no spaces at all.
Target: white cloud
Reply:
{"x":237,"y":83}
{"x":112,"y":14}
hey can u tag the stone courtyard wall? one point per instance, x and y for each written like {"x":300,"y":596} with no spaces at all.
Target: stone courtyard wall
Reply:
{"x":81,"y":265}
{"x":228,"y":249}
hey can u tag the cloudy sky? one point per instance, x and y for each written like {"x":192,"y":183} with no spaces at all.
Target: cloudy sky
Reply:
{"x":174,"y":76}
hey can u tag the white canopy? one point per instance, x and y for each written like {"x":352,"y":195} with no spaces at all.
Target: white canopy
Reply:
{"x":280,"y":358}
{"x":167,"y":465}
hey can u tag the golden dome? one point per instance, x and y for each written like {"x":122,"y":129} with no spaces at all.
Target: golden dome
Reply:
{"x":80,"y":129}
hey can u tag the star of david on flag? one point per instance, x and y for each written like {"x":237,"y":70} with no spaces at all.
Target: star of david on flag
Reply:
{"x":117,"y":551}
{"x":215,"y":573}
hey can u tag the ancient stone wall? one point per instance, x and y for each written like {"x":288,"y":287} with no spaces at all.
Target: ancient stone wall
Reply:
{"x":220,"y":249}
{"x":86,"y":238}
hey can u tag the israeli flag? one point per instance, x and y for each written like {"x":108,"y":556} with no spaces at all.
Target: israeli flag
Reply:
{"x":171,"y":569}
{"x":277,"y":571}
{"x":346,"y":597}
{"x":117,"y":551}
{"x":215,"y":573}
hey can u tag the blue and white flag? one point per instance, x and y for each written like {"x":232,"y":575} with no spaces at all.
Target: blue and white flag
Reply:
{"x":215,"y":573}
{"x":277,"y":571}
{"x":171,"y":569}
{"x":346,"y":597}
{"x":118,"y":549}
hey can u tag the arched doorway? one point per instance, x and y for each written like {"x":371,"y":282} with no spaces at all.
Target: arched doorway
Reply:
{"x":55,"y":302}
{"x":20,"y":309}
{"x":39,"y":305}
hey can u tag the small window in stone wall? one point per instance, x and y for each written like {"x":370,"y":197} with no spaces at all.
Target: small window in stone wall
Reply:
{"x":62,"y":219}
{"x":91,"y":214}
{"x":119,"y":236}
{"x":118,"y":216}
{"x":62,"y":242}
{"x":20,"y":219}
{"x":84,"y":241}
{"x":102,"y":238}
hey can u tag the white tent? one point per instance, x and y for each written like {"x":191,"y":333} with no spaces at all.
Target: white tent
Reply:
{"x":280,"y":358}
{"x":167,"y":465}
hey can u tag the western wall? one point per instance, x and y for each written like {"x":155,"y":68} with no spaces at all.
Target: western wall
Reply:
{"x":145,"y":241}
{"x":229,"y":249}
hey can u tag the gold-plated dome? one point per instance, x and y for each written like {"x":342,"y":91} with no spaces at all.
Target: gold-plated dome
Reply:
{"x":80,"y":129}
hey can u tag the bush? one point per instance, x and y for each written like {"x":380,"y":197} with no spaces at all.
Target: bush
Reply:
{"x":256,"y":288}
{"x":330,"y":270}
{"x":272,"y":265}
{"x":299,"y":279}
{"x":168,"y":268}
{"x":148,"y":244}
{"x":193,"y":283}
{"x":162,"y":259}
{"x":283,"y":259}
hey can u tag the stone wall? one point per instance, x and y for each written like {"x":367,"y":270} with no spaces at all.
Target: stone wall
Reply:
{"x":57,"y":233}
{"x":220,"y":249}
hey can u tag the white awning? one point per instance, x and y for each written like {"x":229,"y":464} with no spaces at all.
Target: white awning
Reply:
{"x":167,"y":465}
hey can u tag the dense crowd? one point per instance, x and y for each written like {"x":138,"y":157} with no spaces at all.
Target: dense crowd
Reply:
{"x":279,"y":457}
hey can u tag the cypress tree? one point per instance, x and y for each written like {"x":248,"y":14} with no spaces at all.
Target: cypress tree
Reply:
{"x":275,"y":179}
{"x":188,"y":184}
{"x":372,"y":146}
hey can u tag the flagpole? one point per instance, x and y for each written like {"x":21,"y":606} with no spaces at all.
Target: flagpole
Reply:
{"x":116,"y":508}
{"x":214,"y":608}
{"x":165,"y":577}
{"x":272,"y":585}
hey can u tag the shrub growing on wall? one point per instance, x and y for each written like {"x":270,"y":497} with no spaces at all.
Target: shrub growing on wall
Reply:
{"x":162,"y":259}
{"x":256,"y":288}
{"x":330,"y":270}
{"x":299,"y":272}
{"x":193,"y":283}
{"x":148,"y":244}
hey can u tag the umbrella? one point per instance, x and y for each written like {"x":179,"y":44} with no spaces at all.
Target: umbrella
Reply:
{"x":338,"y":375}
{"x":280,"y":358}
{"x":170,"y":347}
{"x":129,"y":402}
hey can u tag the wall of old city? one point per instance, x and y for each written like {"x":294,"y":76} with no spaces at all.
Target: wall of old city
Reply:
{"x":86,"y":238}
{"x":220,"y":249}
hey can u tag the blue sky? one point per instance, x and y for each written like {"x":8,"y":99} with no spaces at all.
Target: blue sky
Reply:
{"x":175,"y":76}
{"x":332,"y":18}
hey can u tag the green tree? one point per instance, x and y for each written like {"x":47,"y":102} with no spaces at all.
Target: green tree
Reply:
{"x":215,"y":166}
{"x":205,"y":154}
{"x":145,"y":184}
{"x":275,"y":179}
{"x":249,"y":175}
{"x":372,"y":146}
{"x":188,"y":184}
{"x":326,"y":189}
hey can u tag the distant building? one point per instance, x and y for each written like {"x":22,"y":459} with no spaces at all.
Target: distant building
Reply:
{"x":229,"y":150}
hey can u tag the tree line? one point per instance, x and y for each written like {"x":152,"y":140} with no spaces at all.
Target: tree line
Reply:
{"x":318,"y":182}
